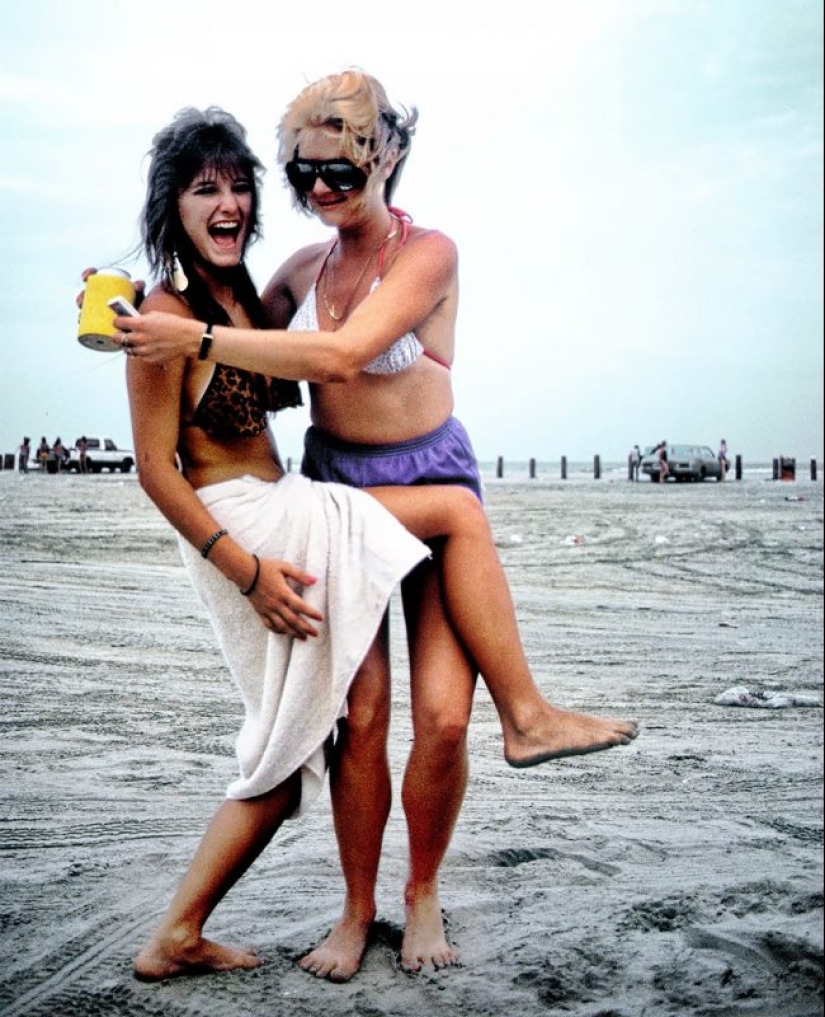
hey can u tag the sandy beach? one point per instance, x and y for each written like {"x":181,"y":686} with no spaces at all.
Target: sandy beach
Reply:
{"x":681,"y":875}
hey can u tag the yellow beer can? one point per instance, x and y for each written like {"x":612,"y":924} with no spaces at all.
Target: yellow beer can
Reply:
{"x":94,"y":327}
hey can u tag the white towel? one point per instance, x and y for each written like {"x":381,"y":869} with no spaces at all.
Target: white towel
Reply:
{"x":295,"y":691}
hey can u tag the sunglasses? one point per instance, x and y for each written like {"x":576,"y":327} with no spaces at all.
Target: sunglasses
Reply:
{"x":337,"y":174}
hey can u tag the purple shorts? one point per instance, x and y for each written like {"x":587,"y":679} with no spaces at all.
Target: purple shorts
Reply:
{"x":443,"y":457}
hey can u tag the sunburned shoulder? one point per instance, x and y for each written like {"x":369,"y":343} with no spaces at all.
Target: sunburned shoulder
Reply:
{"x":429,"y":254}
{"x":160,"y":299}
{"x":433,"y":244}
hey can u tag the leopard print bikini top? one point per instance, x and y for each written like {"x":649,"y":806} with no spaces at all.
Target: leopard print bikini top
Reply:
{"x":236,"y":402}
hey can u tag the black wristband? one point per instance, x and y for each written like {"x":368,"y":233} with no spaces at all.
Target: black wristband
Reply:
{"x":216,"y":536}
{"x":251,"y":588}
{"x":206,"y":343}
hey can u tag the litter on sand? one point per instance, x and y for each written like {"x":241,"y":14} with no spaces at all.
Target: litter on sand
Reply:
{"x":740,"y":696}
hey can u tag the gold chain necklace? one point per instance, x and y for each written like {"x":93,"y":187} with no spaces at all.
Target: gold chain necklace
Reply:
{"x":336,"y":316}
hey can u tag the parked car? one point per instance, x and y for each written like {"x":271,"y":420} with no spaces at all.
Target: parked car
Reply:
{"x":686,"y":462}
{"x":101,"y":454}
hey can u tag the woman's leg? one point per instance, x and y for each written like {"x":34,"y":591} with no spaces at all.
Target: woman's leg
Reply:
{"x":481,"y":611}
{"x":361,"y":795}
{"x":443,"y":681}
{"x":238,"y":833}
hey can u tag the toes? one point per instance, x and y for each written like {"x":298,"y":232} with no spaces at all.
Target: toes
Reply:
{"x":312,"y":968}
{"x":447,"y":960}
{"x":326,"y":969}
{"x":438,"y":961}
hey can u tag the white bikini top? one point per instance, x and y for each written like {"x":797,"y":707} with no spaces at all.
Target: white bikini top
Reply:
{"x":403,"y":353}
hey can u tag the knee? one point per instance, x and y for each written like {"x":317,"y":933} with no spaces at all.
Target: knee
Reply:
{"x":368,"y":717}
{"x":473,"y":513}
{"x":443,"y":730}
{"x":368,"y":703}
{"x":462,"y":514}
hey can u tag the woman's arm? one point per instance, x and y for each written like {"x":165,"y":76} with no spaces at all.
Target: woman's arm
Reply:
{"x":154,"y":400}
{"x":418,"y":281}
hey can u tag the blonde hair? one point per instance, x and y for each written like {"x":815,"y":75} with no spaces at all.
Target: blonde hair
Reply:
{"x":353,"y":105}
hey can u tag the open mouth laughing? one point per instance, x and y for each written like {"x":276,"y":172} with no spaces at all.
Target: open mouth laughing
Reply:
{"x":225,"y":233}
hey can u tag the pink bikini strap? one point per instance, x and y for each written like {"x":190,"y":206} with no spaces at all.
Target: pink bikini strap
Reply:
{"x":405,"y":219}
{"x":437,"y":359}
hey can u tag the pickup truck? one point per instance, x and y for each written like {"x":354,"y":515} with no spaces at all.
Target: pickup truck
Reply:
{"x":101,"y":454}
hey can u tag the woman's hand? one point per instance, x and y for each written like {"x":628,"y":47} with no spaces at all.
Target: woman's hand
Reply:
{"x":140,"y":288}
{"x":157,"y":337}
{"x":280,"y":607}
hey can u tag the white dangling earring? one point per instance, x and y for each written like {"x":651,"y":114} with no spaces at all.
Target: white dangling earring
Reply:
{"x":179,"y":280}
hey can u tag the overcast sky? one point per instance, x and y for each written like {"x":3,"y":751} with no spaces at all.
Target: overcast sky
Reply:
{"x":635,"y":188}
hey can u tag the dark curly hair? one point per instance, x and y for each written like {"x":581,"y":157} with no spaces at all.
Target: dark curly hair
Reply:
{"x":210,"y":139}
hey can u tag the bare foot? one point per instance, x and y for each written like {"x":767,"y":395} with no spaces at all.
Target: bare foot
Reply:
{"x":339,"y":956}
{"x":425,"y":941}
{"x":166,"y":958}
{"x":556,"y":733}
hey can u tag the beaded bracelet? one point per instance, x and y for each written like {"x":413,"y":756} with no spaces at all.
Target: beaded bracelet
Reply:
{"x":251,"y":588}
{"x":216,"y":536}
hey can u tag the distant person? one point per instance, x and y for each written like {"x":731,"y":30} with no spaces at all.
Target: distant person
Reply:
{"x":82,"y":458}
{"x":722,"y":456}
{"x":660,"y":451}
{"x":43,"y":453}
{"x":634,"y":460}
{"x":59,"y":453}
{"x":23,"y":454}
